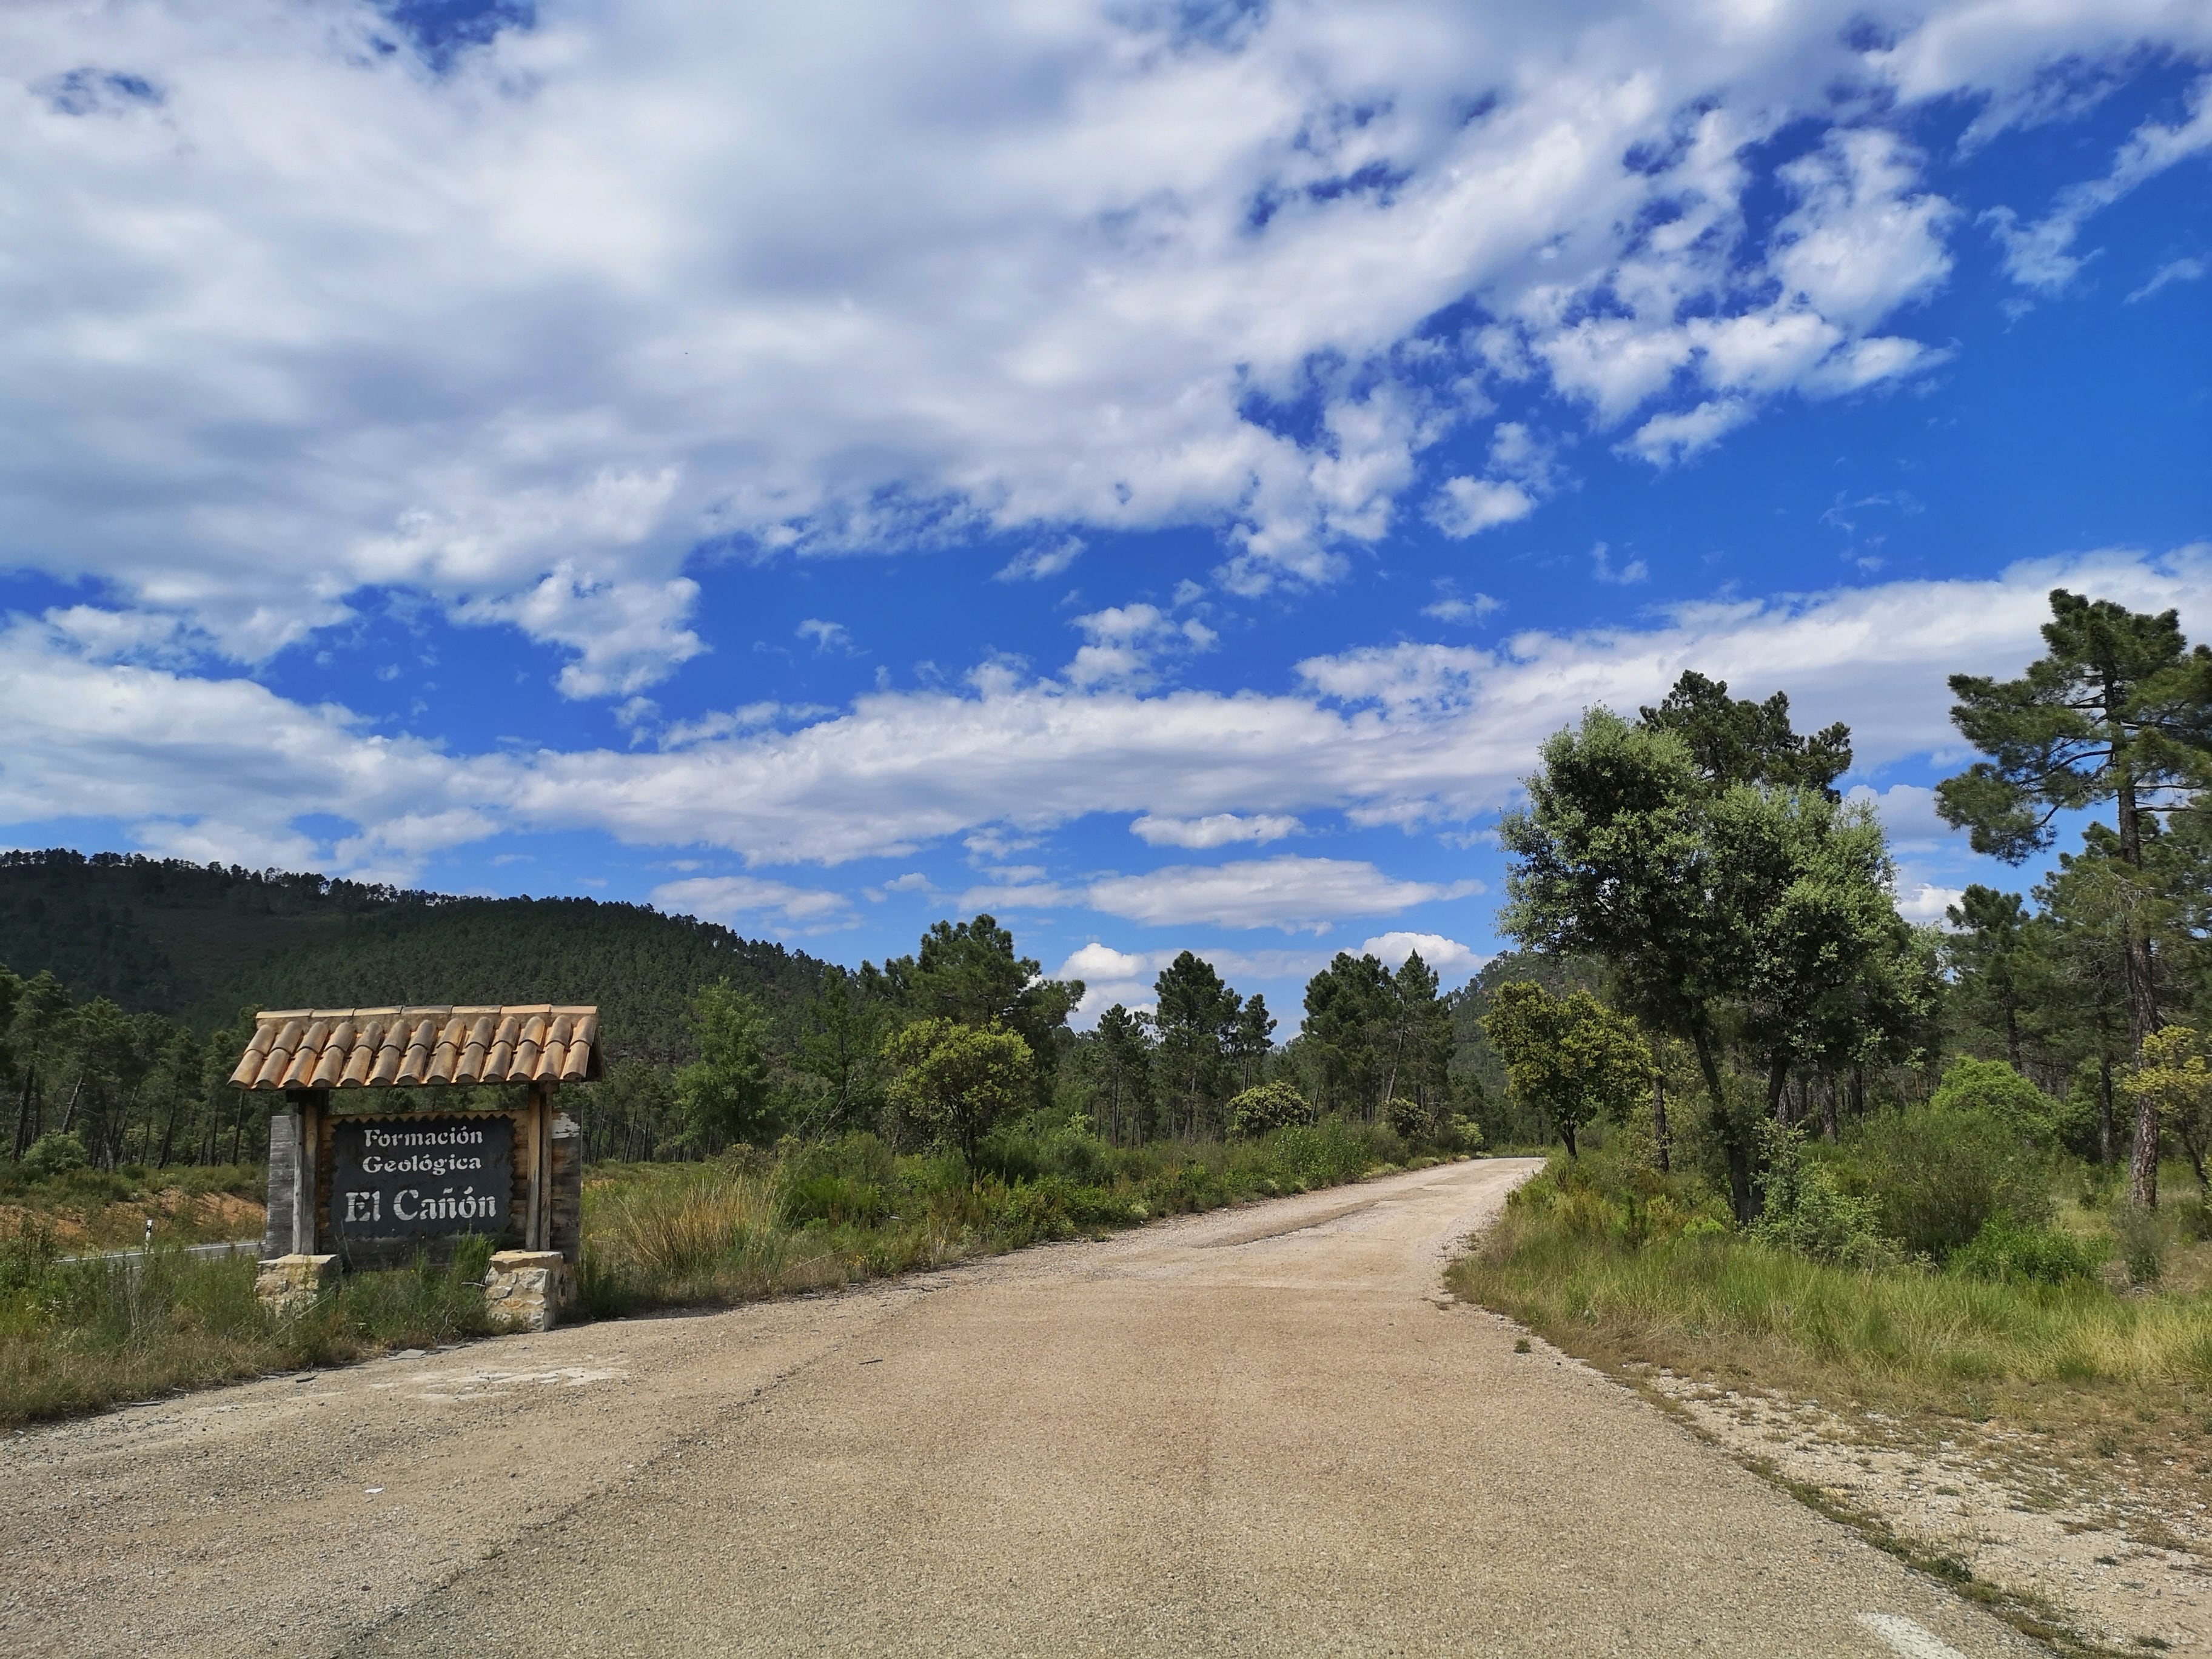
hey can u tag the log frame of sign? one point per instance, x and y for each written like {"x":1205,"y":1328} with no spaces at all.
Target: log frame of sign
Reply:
{"x":544,"y":1216}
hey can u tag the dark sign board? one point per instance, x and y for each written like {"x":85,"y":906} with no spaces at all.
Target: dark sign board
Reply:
{"x":413,"y":1177}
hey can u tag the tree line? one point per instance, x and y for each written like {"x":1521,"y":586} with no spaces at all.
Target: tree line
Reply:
{"x":1740,"y":919}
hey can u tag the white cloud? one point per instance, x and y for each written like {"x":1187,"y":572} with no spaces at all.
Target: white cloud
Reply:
{"x":1215,"y":829}
{"x":2174,"y":270}
{"x":524,"y":334}
{"x":626,"y":635}
{"x":1907,"y":811}
{"x":1603,"y":568}
{"x":1453,"y":609}
{"x":1466,"y":507}
{"x":1413,"y":734}
{"x":1666,"y":438}
{"x":1861,"y":241}
{"x":1926,"y":903}
{"x":825,"y":635}
{"x":1044,"y":560}
{"x":2041,"y":255}
{"x":1286,"y":892}
{"x":1127,"y":642}
{"x":1451,"y":959}
{"x":726,"y":898}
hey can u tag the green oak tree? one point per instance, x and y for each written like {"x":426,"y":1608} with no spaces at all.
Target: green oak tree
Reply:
{"x":1571,"y":1057}
{"x":959,"y":1082}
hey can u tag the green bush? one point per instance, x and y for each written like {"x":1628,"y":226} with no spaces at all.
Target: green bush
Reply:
{"x":52,"y":1154}
{"x":1270,"y":1106}
{"x":1993,"y":1089}
{"x":1939,"y":1173}
{"x":2004,"y":1250}
{"x":1808,"y":1211}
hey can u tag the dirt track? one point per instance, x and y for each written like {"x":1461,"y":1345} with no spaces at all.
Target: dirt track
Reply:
{"x":1264,"y":1432}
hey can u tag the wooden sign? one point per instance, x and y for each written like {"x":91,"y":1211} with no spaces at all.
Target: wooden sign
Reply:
{"x":421,"y":1176}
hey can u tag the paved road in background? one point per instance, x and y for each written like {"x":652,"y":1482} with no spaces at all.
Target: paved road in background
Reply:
{"x":1263,"y":1432}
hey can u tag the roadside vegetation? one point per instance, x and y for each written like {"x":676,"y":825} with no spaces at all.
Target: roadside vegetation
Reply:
{"x":1942,"y":1186}
{"x":77,"y":1334}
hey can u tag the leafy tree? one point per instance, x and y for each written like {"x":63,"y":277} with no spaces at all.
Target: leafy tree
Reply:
{"x":1268,"y":1106}
{"x":1987,"y":951}
{"x":1251,"y":1039}
{"x":839,"y":1044}
{"x":42,"y":1016}
{"x":2116,"y":711}
{"x":1348,"y":1007}
{"x":1733,"y":740}
{"x":725,"y":1095}
{"x":1196,"y":1018}
{"x":970,"y":972}
{"x":1614,"y":859}
{"x":959,"y":1082}
{"x":1571,"y":1057}
{"x":2171,"y":1083}
{"x":1122,"y":1061}
{"x":1729,"y":908}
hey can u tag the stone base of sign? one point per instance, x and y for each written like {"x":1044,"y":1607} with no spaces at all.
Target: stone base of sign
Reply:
{"x":289,"y":1284}
{"x":526,"y":1290}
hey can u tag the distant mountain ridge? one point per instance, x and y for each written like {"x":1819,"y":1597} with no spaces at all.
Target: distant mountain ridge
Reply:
{"x":199,"y":942}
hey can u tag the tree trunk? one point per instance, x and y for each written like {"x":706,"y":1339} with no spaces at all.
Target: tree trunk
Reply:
{"x":1834,"y":1130}
{"x":23,"y":1107}
{"x":1739,"y":1157}
{"x":2143,"y":1004}
{"x":1659,"y":1119}
{"x":2105,"y":1110}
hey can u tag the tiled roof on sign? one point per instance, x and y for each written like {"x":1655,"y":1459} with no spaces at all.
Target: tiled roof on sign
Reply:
{"x":388,"y":1048}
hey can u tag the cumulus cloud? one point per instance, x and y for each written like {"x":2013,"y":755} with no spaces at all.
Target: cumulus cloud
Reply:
{"x":1127,"y":642}
{"x":1452,"y":608}
{"x":1448,"y":957}
{"x":1410,"y":734}
{"x":525,"y":325}
{"x":1215,"y":829}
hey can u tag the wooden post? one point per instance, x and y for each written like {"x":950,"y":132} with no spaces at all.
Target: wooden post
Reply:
{"x":308,"y":1145}
{"x":536,"y":1158}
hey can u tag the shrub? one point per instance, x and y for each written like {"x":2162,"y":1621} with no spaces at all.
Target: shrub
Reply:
{"x":1995,"y":1089}
{"x":1269,"y":1106}
{"x":2141,"y":1246}
{"x":2004,"y":1250}
{"x":1808,"y":1211}
{"x":1939,"y":1173}
{"x":53,"y":1153}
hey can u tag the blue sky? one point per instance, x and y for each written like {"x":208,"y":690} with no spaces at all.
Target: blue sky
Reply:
{"x":1153,"y":471}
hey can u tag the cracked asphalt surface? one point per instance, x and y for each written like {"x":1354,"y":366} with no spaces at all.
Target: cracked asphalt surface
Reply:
{"x":1265,"y":1431}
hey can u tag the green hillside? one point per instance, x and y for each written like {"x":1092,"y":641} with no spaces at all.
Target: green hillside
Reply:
{"x":196,"y":942}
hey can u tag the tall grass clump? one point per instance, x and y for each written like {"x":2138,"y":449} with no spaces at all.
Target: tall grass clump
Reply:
{"x":79,"y":1334}
{"x":832,"y":1211}
{"x":1621,"y":1263}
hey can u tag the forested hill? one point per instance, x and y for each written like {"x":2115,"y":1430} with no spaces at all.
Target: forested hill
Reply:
{"x":198,"y":942}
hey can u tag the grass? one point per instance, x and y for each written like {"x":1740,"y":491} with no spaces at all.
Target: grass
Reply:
{"x":1614,"y":1279}
{"x":81,"y":1335}
{"x":838,"y":1212}
{"x":89,"y":1209}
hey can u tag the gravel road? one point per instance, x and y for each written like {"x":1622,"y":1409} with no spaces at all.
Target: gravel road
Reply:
{"x":1262,"y":1431}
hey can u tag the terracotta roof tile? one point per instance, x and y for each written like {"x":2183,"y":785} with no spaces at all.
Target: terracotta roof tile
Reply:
{"x":379,"y":1047}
